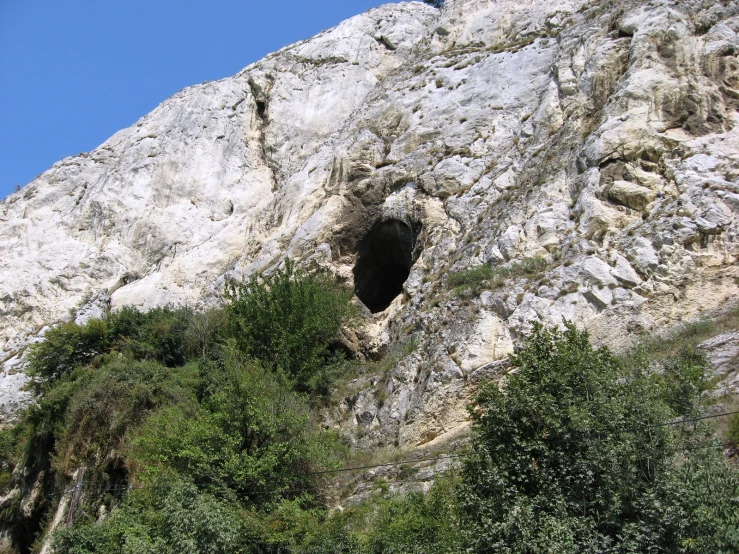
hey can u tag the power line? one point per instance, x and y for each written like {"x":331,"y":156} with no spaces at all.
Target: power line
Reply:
{"x":693,"y":420}
{"x":416,"y":461}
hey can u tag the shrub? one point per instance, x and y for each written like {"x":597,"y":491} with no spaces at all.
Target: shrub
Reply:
{"x":573,"y":456}
{"x":734,"y":430}
{"x":416,"y":523}
{"x":10,"y":452}
{"x":288,"y":320}
{"x":110,"y":401}
{"x":66,"y":347}
{"x":684,"y":380}
{"x":251,"y":434}
{"x":701,"y":504}
{"x":471,"y":277}
{"x":176,"y":518}
{"x":476,"y":277}
{"x":158,"y":334}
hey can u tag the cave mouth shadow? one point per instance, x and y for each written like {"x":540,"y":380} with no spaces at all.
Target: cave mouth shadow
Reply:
{"x":385,"y":257}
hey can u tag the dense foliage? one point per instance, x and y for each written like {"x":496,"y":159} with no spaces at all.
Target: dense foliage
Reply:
{"x":415,"y":524}
{"x":288,"y":320}
{"x":250,"y":435}
{"x":205,"y":469}
{"x":194,"y":411}
{"x":155,"y":335}
{"x":175,"y":518}
{"x":198,"y":435}
{"x":573,"y":456}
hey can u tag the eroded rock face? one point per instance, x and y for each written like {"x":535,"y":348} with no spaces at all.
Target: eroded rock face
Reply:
{"x":722,"y":352}
{"x":601,"y":137}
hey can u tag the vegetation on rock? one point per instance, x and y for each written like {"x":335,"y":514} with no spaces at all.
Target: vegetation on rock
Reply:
{"x":288,"y":320}
{"x":573,"y":455}
{"x":198,"y":435}
{"x":486,"y":276}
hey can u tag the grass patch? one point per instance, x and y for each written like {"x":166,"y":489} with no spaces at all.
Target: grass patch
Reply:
{"x":485,"y":276}
{"x":689,"y":335}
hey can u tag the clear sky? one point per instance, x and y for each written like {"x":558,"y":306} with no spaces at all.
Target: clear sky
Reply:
{"x":73,"y":72}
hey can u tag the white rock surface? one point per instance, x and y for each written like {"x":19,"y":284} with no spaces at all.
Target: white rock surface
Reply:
{"x":600,"y":136}
{"x":722,"y":352}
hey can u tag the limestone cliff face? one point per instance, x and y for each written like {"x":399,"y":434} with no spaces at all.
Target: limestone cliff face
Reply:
{"x":404,"y":145}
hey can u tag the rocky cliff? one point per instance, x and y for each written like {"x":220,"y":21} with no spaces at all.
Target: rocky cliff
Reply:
{"x":581,"y":158}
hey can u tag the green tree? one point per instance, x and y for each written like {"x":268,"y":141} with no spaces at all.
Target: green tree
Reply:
{"x":173,"y":518}
{"x":158,"y":334}
{"x":66,"y":347}
{"x":572,"y":455}
{"x":288,"y":320}
{"x":109,"y":401}
{"x":251,"y":435}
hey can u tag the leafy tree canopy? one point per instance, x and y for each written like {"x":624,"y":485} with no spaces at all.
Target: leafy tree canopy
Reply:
{"x":572,"y":455}
{"x":154,"y":335}
{"x":288,"y":321}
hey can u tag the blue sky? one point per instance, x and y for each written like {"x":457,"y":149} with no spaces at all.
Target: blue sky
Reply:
{"x":73,"y":72}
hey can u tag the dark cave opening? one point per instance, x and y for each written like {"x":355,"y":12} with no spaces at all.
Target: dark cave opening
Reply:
{"x":386,"y":255}
{"x":261,"y":109}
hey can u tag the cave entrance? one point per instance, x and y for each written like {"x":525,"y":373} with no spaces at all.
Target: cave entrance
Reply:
{"x":386,"y":254}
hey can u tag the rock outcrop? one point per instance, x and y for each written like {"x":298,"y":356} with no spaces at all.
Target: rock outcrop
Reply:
{"x":401,"y":147}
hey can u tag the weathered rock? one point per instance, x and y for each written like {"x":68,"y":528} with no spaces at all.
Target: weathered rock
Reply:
{"x":634,"y":196}
{"x":722,"y":352}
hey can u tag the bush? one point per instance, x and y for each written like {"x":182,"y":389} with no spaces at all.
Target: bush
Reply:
{"x":473,"y":277}
{"x":110,"y":401}
{"x":174,"y":519}
{"x":416,"y":523}
{"x":734,"y":430}
{"x":701,"y":505}
{"x":66,"y":347}
{"x":10,"y":453}
{"x":288,"y":320}
{"x":158,"y":334}
{"x":251,"y":435}
{"x":684,"y":380}
{"x":573,"y":456}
